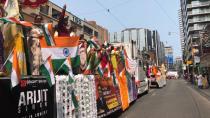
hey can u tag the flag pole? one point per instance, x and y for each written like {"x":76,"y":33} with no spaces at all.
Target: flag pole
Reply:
{"x":7,"y":59}
{"x":60,"y":66}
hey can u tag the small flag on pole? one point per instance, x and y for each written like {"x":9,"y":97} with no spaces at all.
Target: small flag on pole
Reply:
{"x":15,"y":74}
{"x":47,"y":70}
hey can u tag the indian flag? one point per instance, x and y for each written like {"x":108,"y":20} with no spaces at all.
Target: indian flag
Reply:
{"x":47,"y":28}
{"x":93,"y":43}
{"x":93,"y":64}
{"x":47,"y":70}
{"x":100,"y":71}
{"x":64,"y":47}
{"x":15,"y":20}
{"x":15,"y":74}
{"x":74,"y":100}
{"x":20,"y":55}
{"x":66,"y":66}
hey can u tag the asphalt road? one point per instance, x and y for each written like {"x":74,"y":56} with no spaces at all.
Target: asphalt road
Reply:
{"x":176,"y":100}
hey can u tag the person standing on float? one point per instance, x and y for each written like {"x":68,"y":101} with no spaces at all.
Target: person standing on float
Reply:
{"x":34,"y":45}
{"x":62,"y":27}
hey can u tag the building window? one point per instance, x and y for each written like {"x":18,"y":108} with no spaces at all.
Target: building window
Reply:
{"x":44,"y":9}
{"x":88,"y":30}
{"x":55,"y":13}
{"x":96,"y":34}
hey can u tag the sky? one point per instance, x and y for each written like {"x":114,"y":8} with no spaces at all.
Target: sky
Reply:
{"x":160,"y":15}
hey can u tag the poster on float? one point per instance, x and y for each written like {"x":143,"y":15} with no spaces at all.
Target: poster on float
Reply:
{"x":106,"y":97}
{"x":32,"y":98}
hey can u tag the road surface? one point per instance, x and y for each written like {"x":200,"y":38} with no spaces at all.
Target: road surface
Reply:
{"x":176,"y":100}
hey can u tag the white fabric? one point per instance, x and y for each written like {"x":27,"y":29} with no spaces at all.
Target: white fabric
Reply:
{"x":58,"y":53}
{"x":200,"y":80}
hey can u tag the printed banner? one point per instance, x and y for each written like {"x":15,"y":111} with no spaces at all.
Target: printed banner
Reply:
{"x":131,"y":87}
{"x":84,"y":89}
{"x":64,"y":98}
{"x":31,"y":99}
{"x":85,"y":92}
{"x":106,"y":97}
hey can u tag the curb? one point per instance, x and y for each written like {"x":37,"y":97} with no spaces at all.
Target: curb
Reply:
{"x":200,"y":91}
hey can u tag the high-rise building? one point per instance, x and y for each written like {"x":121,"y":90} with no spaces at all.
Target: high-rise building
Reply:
{"x":147,"y":41}
{"x":169,"y":57}
{"x":195,"y":14}
{"x":181,"y":31}
{"x":179,"y":65}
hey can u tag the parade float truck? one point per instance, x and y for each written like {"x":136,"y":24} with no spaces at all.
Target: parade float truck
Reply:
{"x":158,"y":76}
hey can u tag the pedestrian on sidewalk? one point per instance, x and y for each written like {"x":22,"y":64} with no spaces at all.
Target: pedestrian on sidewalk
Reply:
{"x":200,"y":84}
{"x":205,"y":81}
{"x":196,"y":79}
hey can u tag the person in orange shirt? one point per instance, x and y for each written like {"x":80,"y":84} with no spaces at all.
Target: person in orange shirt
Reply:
{"x":154,"y":70}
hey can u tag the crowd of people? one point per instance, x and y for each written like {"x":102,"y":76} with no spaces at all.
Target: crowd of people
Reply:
{"x":200,"y":80}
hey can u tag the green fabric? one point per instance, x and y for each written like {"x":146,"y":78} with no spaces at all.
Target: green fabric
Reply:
{"x":74,"y":100}
{"x":44,"y":72}
{"x":75,"y":63}
{"x":70,"y":80}
{"x":100,"y":72}
{"x":46,"y":36}
{"x":8,"y":66}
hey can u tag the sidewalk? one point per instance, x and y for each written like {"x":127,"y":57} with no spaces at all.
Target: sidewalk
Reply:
{"x":203,"y":92}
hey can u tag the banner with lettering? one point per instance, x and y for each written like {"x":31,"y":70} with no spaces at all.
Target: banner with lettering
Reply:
{"x":33,"y":98}
{"x":106,"y":96}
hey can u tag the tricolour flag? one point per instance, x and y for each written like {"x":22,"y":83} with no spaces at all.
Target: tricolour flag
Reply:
{"x":47,"y":70}
{"x":66,"y":68}
{"x":15,"y":74}
{"x":100,"y":71}
{"x":74,"y":100}
{"x":17,"y":21}
{"x":47,"y":28}
{"x":20,"y":55}
{"x":93,"y":42}
{"x":93,"y":64}
{"x":64,"y":47}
